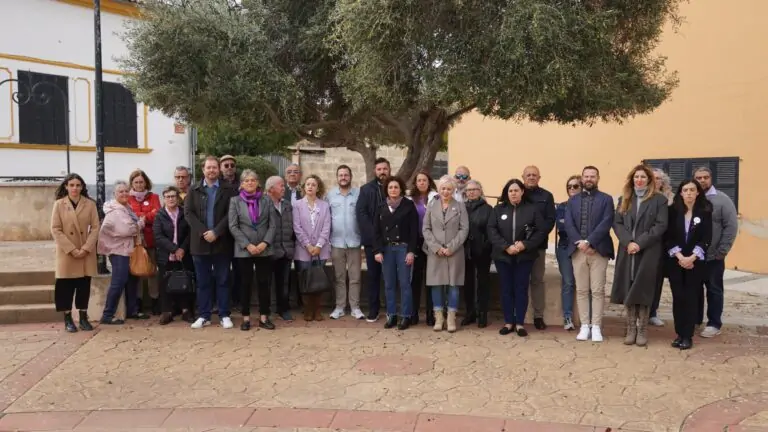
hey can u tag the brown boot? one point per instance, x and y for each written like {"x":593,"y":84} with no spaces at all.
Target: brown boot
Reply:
{"x":316,"y":302}
{"x":643,"y":314}
{"x":309,"y":312}
{"x":631,"y":324}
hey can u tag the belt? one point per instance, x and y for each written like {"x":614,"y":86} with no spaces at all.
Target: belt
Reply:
{"x":397,"y":244}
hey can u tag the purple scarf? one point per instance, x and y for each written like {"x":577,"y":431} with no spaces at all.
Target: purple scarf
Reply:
{"x":253,"y":204}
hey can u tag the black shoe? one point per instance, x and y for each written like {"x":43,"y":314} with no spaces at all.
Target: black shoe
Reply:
{"x":84,"y":324}
{"x":266,"y":325}
{"x":372,"y":317}
{"x":187,"y":316}
{"x":166,"y":318}
{"x":482,"y":320}
{"x":505,"y":331}
{"x":155,"y":307}
{"x":140,"y":305}
{"x":245,"y":326}
{"x":471,"y":318}
{"x":69,"y":324}
{"x":138,"y":316}
{"x":391,"y":321}
{"x":686,"y":344}
{"x":676,"y":342}
{"x":404,"y":323}
{"x":415,"y":319}
{"x":430,"y":318}
{"x":539,"y":324}
{"x":521,"y":332}
{"x":112,"y":321}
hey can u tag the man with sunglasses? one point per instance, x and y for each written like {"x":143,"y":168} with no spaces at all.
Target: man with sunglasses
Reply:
{"x":462,"y":177}
{"x":229,"y":175}
{"x":229,"y":171}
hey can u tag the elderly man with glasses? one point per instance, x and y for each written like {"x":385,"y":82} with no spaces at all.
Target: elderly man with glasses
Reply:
{"x":462,"y":177}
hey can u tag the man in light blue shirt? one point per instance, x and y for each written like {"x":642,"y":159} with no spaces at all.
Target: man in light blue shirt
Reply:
{"x":345,"y":241}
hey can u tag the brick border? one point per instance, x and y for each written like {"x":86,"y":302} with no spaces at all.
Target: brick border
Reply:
{"x":276,"y":418}
{"x":726,"y":414}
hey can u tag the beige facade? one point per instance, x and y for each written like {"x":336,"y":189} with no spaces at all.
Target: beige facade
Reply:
{"x":719,"y":110}
{"x":27,"y":211}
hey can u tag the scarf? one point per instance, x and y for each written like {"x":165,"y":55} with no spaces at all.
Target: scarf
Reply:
{"x":253,"y":204}
{"x":394,"y":203}
{"x":139,"y":195}
{"x":175,"y":220}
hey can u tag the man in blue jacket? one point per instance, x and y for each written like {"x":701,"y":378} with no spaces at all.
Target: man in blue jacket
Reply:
{"x":588,"y":222}
{"x":371,"y":196}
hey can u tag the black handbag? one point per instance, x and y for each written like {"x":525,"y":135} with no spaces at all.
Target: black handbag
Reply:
{"x":180,"y":281}
{"x":315,"y":279}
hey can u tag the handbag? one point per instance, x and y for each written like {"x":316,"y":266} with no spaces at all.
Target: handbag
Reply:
{"x":139,"y":262}
{"x":315,"y":279}
{"x":180,"y":281}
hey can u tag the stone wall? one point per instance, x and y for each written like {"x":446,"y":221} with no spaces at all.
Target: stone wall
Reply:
{"x":27,"y":208}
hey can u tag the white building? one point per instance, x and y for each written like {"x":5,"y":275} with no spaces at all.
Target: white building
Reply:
{"x":52,"y":40}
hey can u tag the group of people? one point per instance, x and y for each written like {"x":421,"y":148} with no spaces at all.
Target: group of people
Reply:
{"x":235,"y":231}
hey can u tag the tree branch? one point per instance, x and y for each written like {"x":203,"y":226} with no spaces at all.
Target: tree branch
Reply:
{"x":456,"y":114}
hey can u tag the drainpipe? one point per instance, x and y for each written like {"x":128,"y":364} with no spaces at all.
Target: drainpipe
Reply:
{"x":192,"y":152}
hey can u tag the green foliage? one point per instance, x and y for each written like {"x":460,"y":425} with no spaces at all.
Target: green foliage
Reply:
{"x":261,"y":166}
{"x":221,"y":139}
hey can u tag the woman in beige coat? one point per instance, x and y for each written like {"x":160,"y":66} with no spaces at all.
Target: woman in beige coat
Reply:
{"x":75,"y":229}
{"x":446,"y":226}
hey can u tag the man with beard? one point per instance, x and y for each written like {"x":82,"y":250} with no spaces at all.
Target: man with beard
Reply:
{"x":229,"y":171}
{"x":371,"y":196}
{"x":588,"y":222}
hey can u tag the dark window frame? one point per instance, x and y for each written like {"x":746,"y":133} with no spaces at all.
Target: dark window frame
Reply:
{"x":121,"y":117}
{"x":43,"y":123}
{"x":725,"y":172}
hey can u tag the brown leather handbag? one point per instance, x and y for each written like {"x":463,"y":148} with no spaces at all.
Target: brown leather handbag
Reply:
{"x":139,"y":262}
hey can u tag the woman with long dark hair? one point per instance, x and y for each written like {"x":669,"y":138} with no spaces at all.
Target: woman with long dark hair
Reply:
{"x":640,"y":224}
{"x":686,"y":242}
{"x":421,"y":192}
{"x":75,"y":230}
{"x":516,"y":228}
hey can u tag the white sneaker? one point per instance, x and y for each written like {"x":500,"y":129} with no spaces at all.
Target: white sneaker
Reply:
{"x":200,"y":323}
{"x":656,"y":321}
{"x":568,"y":324}
{"x":597,"y":335}
{"x":583,"y":333}
{"x":337,"y":313}
{"x":226,"y":322}
{"x":357,"y":314}
{"x":710,"y":332}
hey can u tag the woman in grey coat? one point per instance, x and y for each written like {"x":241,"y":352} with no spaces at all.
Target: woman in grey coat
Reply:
{"x":640,"y":224}
{"x":446,"y":226}
{"x":253,"y":228}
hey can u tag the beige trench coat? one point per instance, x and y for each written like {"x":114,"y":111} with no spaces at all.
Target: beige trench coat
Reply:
{"x":449,"y":231}
{"x":75,"y":229}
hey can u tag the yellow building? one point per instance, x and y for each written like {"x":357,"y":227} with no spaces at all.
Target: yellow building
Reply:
{"x":718,"y":116}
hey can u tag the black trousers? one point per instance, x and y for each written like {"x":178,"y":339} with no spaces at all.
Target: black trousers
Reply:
{"x":183,"y":301}
{"x":246,"y":266}
{"x":281,"y":274}
{"x":686,"y":290}
{"x":477,"y":282}
{"x":65,"y":289}
{"x":418,"y":278}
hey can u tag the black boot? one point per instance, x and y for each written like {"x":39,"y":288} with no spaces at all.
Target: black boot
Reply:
{"x":84,"y":324}
{"x":139,"y":305}
{"x":430,"y":318}
{"x":470,"y":318}
{"x":155,"y":307}
{"x":69,"y":324}
{"x":482,"y":320}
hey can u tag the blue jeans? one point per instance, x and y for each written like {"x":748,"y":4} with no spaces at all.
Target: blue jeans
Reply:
{"x":212,"y":273}
{"x":453,"y":297}
{"x":515,"y":277}
{"x":372,"y":281}
{"x":714,"y":286}
{"x":568,"y":280}
{"x":122,"y":282}
{"x":396,"y":271}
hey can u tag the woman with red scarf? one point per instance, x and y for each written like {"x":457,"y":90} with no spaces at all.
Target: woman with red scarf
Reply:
{"x":253,"y":228}
{"x":146,"y":205}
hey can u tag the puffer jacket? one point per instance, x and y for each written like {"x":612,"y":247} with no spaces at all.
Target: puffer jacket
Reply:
{"x":118,"y":230}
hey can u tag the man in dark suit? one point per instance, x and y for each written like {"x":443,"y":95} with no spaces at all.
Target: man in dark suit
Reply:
{"x":588,"y":222}
{"x":206,"y":209}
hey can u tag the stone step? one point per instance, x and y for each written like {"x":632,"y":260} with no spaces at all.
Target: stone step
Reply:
{"x":19,"y":295}
{"x":28,"y":313}
{"x":9,"y":278}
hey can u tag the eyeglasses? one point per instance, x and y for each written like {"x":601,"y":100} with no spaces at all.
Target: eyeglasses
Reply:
{"x":461,"y":176}
{"x":574,"y":187}
{"x":293,"y":172}
{"x":473,"y":190}
{"x":180,"y":177}
{"x":228,"y":165}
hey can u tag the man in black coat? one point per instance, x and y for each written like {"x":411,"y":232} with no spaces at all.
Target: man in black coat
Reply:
{"x":371,"y":196}
{"x":546,"y":204}
{"x":206,"y":211}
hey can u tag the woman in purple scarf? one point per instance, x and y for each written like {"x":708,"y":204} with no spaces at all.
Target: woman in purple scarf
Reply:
{"x":253,"y":228}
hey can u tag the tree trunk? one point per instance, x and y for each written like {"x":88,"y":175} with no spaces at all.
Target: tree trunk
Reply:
{"x":424,"y":143}
{"x":369,"y":157}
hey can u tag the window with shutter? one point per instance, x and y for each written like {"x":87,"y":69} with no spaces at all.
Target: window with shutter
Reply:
{"x":120,"y":117}
{"x":725,"y":172}
{"x":43,"y":115}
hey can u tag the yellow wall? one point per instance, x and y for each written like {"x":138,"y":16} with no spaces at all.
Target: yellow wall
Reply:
{"x":720,"y":109}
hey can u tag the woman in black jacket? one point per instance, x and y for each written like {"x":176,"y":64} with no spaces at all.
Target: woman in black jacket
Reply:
{"x":686,"y":241}
{"x":477,"y":251}
{"x":515,"y":231}
{"x":171,"y":233}
{"x":396,"y":236}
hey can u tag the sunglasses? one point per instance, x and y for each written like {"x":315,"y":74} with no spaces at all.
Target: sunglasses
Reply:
{"x":228,"y":165}
{"x":574,"y":187}
{"x":461,"y":176}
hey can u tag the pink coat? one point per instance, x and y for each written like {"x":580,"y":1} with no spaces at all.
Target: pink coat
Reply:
{"x":117,"y":231}
{"x":306,"y":235}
